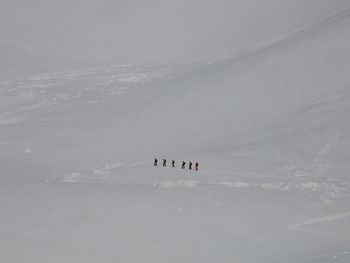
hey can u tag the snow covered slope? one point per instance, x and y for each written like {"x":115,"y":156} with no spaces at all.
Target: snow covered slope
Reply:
{"x":256,"y":91}
{"x":40,"y":36}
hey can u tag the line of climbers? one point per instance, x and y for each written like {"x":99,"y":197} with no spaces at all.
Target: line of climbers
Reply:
{"x":183,"y":166}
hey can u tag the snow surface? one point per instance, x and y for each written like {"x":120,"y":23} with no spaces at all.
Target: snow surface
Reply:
{"x":258,"y":92}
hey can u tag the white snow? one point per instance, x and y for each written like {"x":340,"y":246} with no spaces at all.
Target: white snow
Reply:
{"x":256,"y":91}
{"x":175,"y":184}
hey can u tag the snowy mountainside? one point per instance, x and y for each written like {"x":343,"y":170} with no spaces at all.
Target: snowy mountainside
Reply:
{"x":267,"y":122}
{"x":261,"y":112}
{"x":40,"y":36}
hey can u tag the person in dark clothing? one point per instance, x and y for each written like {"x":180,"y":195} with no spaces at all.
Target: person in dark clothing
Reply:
{"x":183,"y":165}
{"x":164,"y":162}
{"x":173,"y":163}
{"x":155,"y":162}
{"x":196,"y":166}
{"x":190,"y":165}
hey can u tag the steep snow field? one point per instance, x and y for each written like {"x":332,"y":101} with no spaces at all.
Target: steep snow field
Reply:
{"x":256,"y":91}
{"x":41,"y":36}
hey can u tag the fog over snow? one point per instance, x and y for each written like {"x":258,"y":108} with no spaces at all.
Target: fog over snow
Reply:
{"x":256,"y":91}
